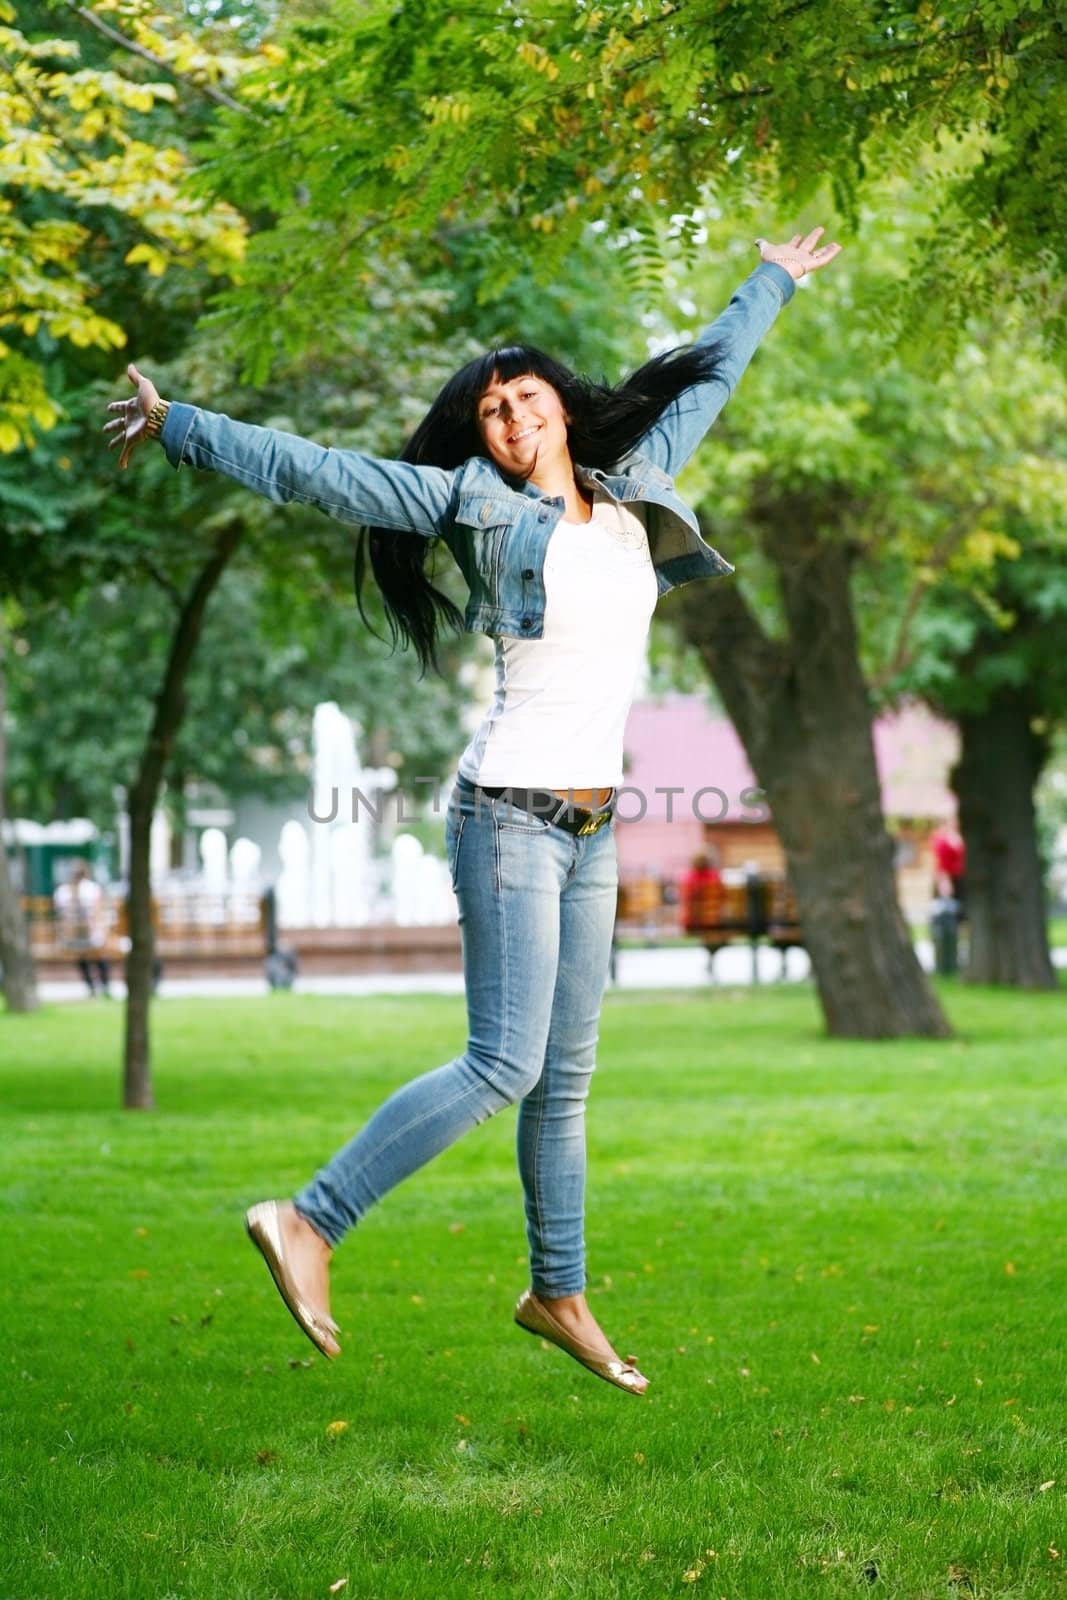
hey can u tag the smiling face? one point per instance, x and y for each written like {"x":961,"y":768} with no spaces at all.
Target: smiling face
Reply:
{"x":522,"y":424}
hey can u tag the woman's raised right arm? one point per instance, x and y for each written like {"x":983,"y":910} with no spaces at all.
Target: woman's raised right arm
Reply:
{"x":345,"y":484}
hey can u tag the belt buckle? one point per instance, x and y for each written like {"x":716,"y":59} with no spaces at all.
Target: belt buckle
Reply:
{"x":596,"y":821}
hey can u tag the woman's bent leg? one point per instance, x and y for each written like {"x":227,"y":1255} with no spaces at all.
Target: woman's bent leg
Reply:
{"x":507,"y":879}
{"x":551,"y":1130}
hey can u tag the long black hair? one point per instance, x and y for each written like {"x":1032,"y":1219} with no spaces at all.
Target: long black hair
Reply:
{"x":604,"y":425}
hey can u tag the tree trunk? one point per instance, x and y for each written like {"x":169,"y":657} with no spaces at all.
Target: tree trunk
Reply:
{"x":1000,"y":762}
{"x":143,"y":797}
{"x":803,"y":713}
{"x":20,"y":983}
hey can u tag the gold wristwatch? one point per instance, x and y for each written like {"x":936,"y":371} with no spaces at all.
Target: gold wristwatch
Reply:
{"x":156,"y":418}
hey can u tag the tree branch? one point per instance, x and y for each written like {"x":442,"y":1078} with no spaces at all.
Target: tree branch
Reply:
{"x":47,"y":117}
{"x":938,"y":561}
{"x":751,"y":670}
{"x":170,"y":589}
{"x":219,"y":96}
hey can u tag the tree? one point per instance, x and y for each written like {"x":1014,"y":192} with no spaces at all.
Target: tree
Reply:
{"x":524,"y":127}
{"x":81,"y":168}
{"x":99,"y":203}
{"x":857,"y":495}
{"x":71,"y":531}
{"x":16,"y":958}
{"x":989,"y":656}
{"x":976,"y":628}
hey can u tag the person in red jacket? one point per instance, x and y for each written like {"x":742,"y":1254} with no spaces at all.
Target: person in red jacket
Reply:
{"x":703,"y":874}
{"x":950,"y":860}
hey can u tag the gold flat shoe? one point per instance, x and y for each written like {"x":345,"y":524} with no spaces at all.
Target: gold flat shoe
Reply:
{"x":534,"y":1316}
{"x":264,"y":1229}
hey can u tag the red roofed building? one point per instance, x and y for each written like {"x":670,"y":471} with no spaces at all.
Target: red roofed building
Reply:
{"x":688,"y":786}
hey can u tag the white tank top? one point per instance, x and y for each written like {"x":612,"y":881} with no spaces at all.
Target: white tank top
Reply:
{"x":561,"y":701}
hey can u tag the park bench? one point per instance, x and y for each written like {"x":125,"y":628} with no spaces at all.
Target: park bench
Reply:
{"x":715,"y":914}
{"x":217,"y":932}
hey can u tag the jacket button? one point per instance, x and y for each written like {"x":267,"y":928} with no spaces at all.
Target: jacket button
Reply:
{"x":527,"y":622}
{"x":527,"y":572}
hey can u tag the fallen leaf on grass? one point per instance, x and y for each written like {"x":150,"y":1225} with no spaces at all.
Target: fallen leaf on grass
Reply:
{"x":1043,"y":1486}
{"x":338,"y":1585}
{"x":335,"y":1428}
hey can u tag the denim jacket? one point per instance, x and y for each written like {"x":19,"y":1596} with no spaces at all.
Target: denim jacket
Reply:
{"x":497,"y":532}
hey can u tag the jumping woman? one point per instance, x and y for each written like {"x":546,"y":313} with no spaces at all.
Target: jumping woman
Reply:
{"x":556,"y":498}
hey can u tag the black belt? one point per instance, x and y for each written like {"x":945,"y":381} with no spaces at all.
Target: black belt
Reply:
{"x":542,"y":803}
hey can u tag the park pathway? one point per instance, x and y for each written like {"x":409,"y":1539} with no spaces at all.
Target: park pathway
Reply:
{"x":640,"y":968}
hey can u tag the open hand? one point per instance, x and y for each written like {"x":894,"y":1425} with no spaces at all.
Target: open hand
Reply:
{"x":799,"y":255}
{"x":128,"y":426}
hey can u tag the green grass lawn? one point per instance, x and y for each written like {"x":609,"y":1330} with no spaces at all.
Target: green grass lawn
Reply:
{"x":841,"y":1265}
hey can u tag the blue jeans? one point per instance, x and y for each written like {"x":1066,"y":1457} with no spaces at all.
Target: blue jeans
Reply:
{"x":536,"y":910}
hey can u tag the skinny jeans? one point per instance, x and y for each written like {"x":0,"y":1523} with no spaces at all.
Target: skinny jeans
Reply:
{"x":536,"y":913}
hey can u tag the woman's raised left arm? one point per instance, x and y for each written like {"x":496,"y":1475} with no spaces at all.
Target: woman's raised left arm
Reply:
{"x":736,"y":333}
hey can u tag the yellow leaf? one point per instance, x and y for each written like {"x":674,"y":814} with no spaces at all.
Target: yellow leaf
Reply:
{"x":154,"y":259}
{"x":336,"y":1428}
